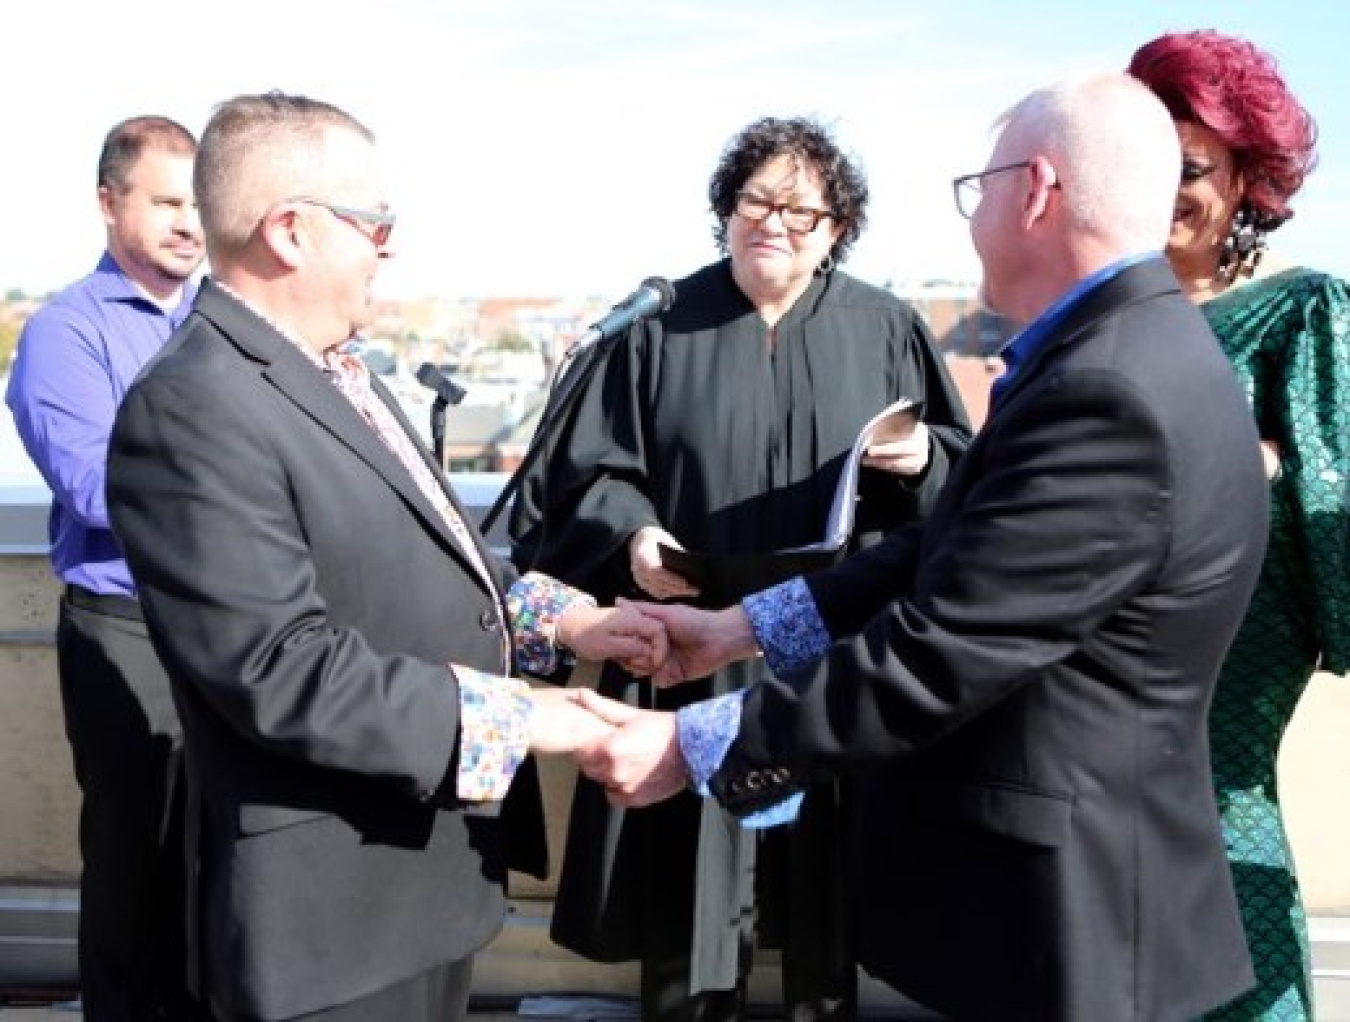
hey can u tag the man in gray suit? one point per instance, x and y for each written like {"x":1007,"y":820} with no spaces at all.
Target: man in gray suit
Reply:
{"x":337,"y":638}
{"x":1024,"y":679}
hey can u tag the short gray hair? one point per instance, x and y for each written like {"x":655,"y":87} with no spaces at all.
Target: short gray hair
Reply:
{"x":254,"y":151}
{"x":1116,"y":150}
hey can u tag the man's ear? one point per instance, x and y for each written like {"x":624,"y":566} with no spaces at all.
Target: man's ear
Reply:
{"x":284,"y":233}
{"x":1042,"y":179}
{"x":106,"y":200}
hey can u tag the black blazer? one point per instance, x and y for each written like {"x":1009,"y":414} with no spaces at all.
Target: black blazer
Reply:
{"x":305,"y":598}
{"x":1029,"y":684}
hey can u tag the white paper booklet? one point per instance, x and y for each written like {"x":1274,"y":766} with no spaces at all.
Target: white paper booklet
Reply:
{"x":894,"y":422}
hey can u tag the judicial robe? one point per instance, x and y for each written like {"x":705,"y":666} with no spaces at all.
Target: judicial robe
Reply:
{"x":699,"y":424}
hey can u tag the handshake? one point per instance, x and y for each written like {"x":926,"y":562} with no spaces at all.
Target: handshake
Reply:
{"x":634,"y":753}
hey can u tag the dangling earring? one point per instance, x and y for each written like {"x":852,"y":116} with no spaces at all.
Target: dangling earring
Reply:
{"x":1245,"y":244}
{"x":826,"y":264}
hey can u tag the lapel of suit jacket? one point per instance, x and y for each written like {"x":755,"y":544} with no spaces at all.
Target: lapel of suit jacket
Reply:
{"x":1144,"y":280}
{"x":305,"y":385}
{"x":437,"y":472}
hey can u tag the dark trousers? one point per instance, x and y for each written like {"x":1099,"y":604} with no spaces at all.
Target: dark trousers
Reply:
{"x":126,"y":743}
{"x":438,"y":995}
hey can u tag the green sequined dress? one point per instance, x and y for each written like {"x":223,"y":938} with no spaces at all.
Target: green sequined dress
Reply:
{"x":1288,"y":336}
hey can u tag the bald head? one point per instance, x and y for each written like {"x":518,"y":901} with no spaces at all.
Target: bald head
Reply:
{"x":258,"y":151}
{"x":1115,"y":148}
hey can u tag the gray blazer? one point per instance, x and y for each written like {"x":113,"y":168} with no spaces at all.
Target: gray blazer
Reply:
{"x":305,"y":598}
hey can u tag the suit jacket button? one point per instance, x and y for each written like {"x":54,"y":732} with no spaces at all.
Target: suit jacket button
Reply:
{"x":488,"y":620}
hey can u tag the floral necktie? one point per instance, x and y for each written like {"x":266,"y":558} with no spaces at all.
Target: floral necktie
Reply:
{"x":352,"y":378}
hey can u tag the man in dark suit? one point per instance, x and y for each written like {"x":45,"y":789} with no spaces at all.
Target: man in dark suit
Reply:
{"x":1025,"y":678}
{"x":336,"y":637}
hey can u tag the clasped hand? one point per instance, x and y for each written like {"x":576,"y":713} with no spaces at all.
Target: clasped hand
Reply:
{"x":634,"y":753}
{"x":670,"y":643}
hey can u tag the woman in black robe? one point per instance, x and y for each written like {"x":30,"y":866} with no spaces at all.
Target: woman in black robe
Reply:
{"x":721,"y":427}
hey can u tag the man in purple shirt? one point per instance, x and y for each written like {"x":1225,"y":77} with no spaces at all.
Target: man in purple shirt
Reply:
{"x":77,"y":357}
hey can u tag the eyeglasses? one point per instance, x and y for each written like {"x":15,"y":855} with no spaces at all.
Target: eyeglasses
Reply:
{"x":797,"y":219}
{"x":382,"y":223}
{"x":969,"y":188}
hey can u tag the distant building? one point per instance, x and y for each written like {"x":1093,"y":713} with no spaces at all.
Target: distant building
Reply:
{"x":970,"y":336}
{"x":953,"y":312}
{"x":482,"y":435}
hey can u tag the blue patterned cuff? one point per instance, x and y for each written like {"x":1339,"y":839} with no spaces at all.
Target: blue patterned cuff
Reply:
{"x":775,"y":815}
{"x":706,"y":731}
{"x":787,"y":625}
{"x":494,"y":733}
{"x":536,"y":603}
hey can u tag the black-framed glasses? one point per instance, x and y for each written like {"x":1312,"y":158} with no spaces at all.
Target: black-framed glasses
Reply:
{"x":969,"y":188}
{"x":380,"y":221}
{"x":797,"y":219}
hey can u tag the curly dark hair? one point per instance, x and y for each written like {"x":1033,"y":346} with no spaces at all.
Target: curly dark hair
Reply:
{"x":1235,"y":90}
{"x":811,"y":143}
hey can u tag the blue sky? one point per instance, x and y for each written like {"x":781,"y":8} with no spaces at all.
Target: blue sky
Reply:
{"x":554,"y":147}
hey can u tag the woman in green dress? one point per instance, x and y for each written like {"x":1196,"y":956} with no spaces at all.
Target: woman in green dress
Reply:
{"x":1247,"y":145}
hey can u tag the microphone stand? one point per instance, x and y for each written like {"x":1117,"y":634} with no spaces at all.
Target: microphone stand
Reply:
{"x":448,"y":392}
{"x":438,"y":430}
{"x":568,"y":383}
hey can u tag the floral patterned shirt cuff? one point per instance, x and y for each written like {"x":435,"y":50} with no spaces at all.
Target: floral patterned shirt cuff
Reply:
{"x":494,"y":733}
{"x":787,"y":625}
{"x":536,"y":604}
{"x":706,"y":731}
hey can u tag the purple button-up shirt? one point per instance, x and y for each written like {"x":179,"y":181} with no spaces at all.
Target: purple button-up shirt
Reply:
{"x":77,"y":356}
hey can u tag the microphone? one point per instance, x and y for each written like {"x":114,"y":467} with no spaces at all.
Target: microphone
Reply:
{"x":654,"y":296}
{"x":446,"y":389}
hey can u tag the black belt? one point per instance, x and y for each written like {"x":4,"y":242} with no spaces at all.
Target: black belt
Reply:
{"x":104,"y":603}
